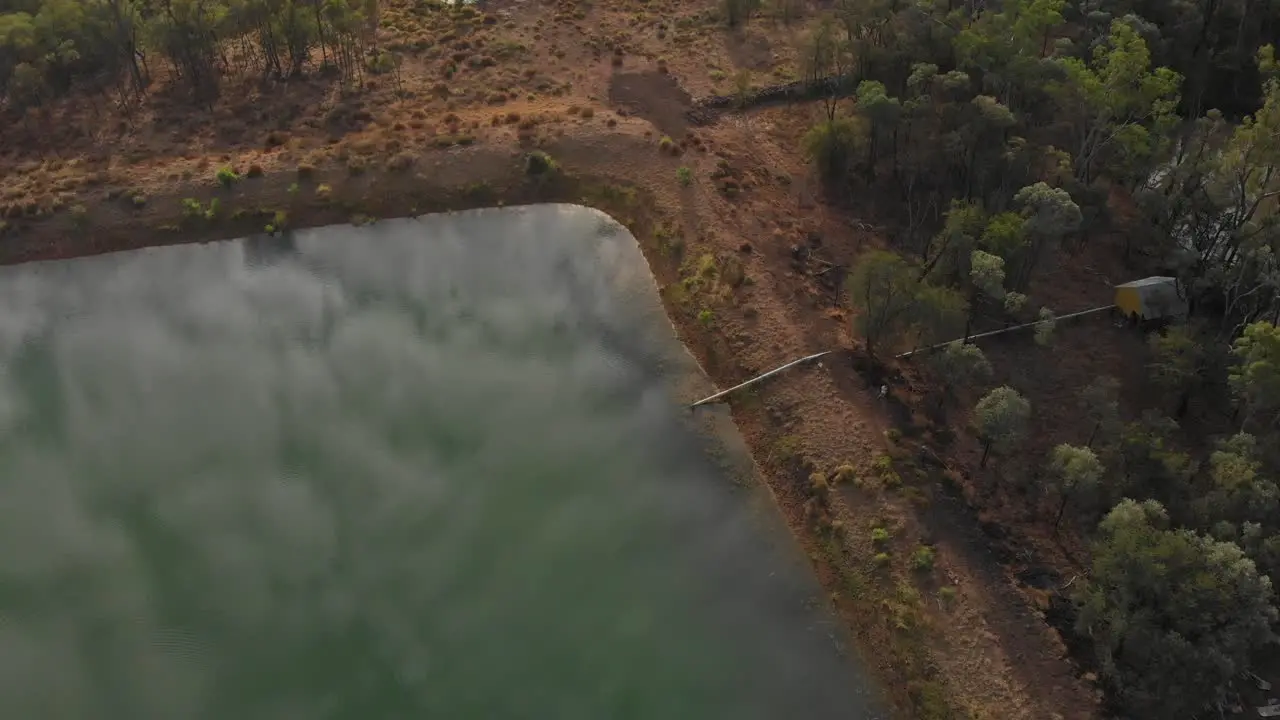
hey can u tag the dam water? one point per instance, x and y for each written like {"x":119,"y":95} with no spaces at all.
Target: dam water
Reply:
{"x":431,"y":468}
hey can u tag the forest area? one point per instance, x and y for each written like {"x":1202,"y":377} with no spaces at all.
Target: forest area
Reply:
{"x":1003,"y":134}
{"x":996,"y":139}
{"x":50,"y":49}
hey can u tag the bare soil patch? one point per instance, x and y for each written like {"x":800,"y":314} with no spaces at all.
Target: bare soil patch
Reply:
{"x":654,"y":96}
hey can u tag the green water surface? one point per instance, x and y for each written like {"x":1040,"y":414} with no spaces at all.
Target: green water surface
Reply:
{"x":432,"y":468}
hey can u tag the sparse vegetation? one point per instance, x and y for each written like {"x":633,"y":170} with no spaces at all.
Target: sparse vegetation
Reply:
{"x":194,"y":211}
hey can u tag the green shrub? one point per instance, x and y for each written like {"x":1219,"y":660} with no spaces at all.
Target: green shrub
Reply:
{"x":226,"y":177}
{"x":922,"y":558}
{"x":883,"y":464}
{"x":881,"y":559}
{"x":381,"y":62}
{"x":787,"y":448}
{"x":818,"y":485}
{"x":192,"y":209}
{"x":538,"y":163}
{"x":880,"y":536}
{"x":706,"y":317}
{"x":845,"y":474}
{"x":684,"y":176}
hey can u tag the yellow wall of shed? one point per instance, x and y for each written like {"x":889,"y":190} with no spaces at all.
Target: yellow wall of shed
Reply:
{"x":1129,"y":300}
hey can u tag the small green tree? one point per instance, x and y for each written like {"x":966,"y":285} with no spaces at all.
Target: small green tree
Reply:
{"x":1173,"y":615}
{"x":939,"y":314}
{"x":1049,"y":214}
{"x":1240,"y":493}
{"x":832,"y":145}
{"x":1046,"y":323}
{"x":1255,"y":380}
{"x":882,"y":289}
{"x":881,"y":110}
{"x":1153,"y":464}
{"x":1074,"y":470}
{"x":958,"y":365}
{"x":986,"y":271}
{"x":1001,"y":416}
{"x":947,"y":254}
{"x":986,"y":277}
{"x":1005,"y":235}
{"x":1176,"y":359}
{"x":1100,"y":401}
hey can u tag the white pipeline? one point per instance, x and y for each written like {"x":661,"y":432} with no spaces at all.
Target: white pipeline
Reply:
{"x":930,"y":348}
{"x":998,"y":332}
{"x":758,"y":378}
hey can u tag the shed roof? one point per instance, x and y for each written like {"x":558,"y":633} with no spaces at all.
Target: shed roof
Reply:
{"x":1149,"y":282}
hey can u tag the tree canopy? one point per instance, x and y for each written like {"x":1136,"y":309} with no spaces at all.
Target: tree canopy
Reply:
{"x":47,"y":47}
{"x":1001,"y":416}
{"x":1174,"y":615}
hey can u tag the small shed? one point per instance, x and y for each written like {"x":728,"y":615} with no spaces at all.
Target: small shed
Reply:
{"x":1150,"y":298}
